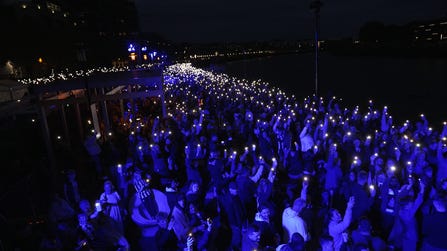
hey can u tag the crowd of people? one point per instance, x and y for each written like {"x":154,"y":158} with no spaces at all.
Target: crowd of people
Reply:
{"x":238,"y":165}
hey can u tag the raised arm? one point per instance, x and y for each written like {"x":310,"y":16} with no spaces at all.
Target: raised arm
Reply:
{"x":344,"y":224}
{"x":419,"y":199}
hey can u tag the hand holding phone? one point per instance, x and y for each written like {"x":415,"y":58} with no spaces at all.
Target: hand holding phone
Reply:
{"x":98,"y":206}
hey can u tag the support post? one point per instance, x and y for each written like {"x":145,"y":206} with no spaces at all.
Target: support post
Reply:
{"x":105,"y":114}
{"x":65,"y":125}
{"x":48,"y":145}
{"x":79,"y":121}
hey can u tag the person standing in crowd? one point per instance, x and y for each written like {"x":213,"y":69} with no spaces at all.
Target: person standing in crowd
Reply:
{"x":149,"y":210}
{"x":194,"y":195}
{"x":433,"y":238}
{"x":179,"y":219}
{"x":245,"y":188}
{"x":297,"y":242}
{"x":236,"y":213}
{"x":363,"y":195}
{"x":405,"y":229}
{"x":99,"y":233}
{"x":442,"y":161}
{"x":110,"y":200}
{"x":215,"y":168}
{"x":337,"y":226}
{"x":71,"y":189}
{"x":172,"y":193}
{"x":86,"y":208}
{"x":293,"y":223}
{"x":326,"y":243}
{"x":94,"y":151}
{"x":269,"y":234}
{"x":251,"y":238}
{"x":363,"y":235}
{"x":160,"y":165}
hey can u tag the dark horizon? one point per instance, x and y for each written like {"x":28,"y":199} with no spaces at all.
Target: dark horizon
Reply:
{"x":205,"y":22}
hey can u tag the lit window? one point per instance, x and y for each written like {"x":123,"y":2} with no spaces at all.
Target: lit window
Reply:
{"x":53,"y":7}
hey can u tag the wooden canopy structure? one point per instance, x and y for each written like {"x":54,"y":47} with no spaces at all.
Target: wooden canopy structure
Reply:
{"x":96,"y":89}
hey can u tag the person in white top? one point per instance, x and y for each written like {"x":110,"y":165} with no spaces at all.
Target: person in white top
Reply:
{"x":110,"y":200}
{"x":292,"y":222}
{"x":337,"y":226}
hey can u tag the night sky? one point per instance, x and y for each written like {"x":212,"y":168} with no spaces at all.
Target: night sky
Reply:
{"x":250,"y":20}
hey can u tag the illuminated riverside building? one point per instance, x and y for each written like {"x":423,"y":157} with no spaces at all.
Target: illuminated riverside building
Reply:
{"x":434,"y":31}
{"x":47,"y":34}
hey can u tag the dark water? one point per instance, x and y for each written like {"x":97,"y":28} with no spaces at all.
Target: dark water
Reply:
{"x":409,"y":86}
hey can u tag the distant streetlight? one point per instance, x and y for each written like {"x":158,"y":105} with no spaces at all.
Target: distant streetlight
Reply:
{"x":316,"y":5}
